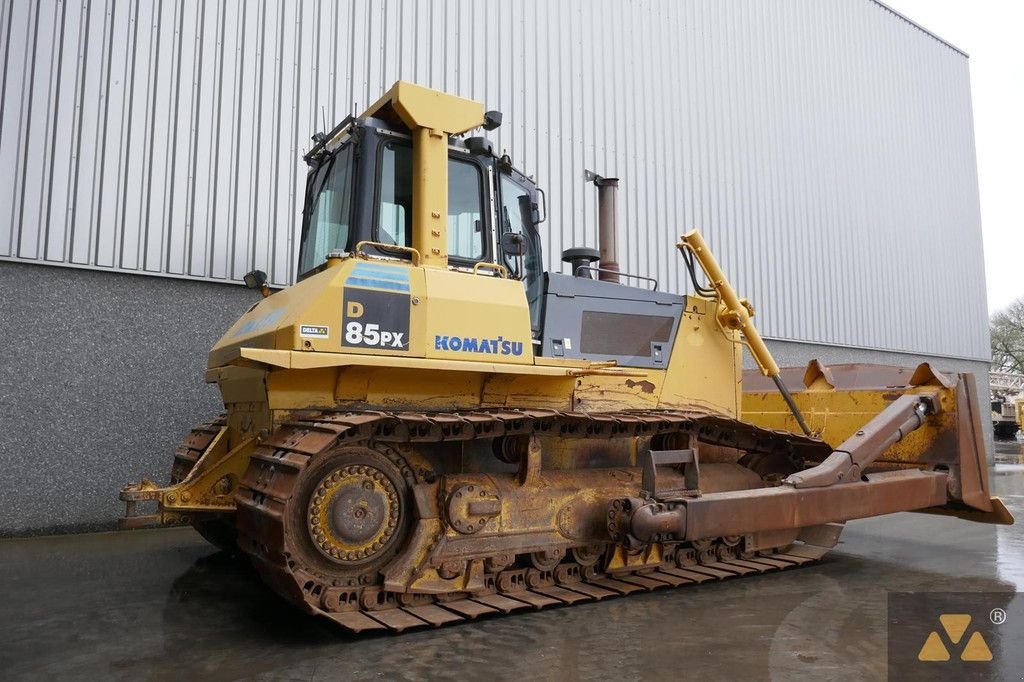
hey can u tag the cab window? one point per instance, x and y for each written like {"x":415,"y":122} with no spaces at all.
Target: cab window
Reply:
{"x":466,"y":233}
{"x":517,"y":216}
{"x":394,"y":219}
{"x":465,"y":211}
{"x":329,"y":201}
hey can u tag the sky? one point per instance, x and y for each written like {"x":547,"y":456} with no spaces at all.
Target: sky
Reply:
{"x":990,"y":32}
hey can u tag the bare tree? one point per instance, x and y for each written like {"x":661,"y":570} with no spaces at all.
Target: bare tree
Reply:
{"x":1007,"y":328}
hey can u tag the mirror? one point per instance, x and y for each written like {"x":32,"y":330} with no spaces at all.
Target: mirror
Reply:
{"x":255,"y":279}
{"x":513,"y":244}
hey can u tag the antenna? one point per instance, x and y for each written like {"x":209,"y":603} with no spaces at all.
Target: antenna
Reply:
{"x":323,"y":117}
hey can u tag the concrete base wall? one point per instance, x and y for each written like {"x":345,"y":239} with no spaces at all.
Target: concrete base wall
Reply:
{"x":101,"y":377}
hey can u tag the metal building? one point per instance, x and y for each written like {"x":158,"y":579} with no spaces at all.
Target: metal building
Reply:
{"x":825,"y":147}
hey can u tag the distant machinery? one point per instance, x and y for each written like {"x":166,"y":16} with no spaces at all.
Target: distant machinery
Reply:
{"x":1006,"y":382}
{"x":1007,"y":404}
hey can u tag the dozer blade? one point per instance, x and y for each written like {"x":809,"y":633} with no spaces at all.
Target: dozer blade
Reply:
{"x":883,"y":420}
{"x":900,"y":441}
{"x":880,"y":422}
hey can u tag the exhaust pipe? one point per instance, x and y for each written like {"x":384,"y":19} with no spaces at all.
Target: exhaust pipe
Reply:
{"x":607,"y":229}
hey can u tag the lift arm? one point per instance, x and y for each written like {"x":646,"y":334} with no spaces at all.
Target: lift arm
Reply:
{"x":735,"y":313}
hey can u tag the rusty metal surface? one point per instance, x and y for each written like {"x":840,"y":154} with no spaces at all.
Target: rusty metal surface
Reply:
{"x":216,"y":528}
{"x":192,"y":448}
{"x":640,"y":521}
{"x":373,"y":519}
{"x":973,"y":487}
{"x":872,"y":425}
{"x":199,"y":614}
{"x":445,"y":566}
{"x":186,"y":457}
{"x":204,"y":478}
{"x":736,"y":513}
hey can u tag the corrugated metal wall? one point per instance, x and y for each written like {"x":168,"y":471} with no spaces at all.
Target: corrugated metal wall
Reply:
{"x":824,"y":146}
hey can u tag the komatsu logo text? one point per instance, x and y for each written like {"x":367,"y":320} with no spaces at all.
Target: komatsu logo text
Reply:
{"x":472,"y":344}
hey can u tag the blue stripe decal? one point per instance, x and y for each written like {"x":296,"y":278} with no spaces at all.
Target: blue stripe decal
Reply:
{"x":376,"y":284}
{"x":401,"y":275}
{"x":378,"y":266}
{"x":378,"y":275}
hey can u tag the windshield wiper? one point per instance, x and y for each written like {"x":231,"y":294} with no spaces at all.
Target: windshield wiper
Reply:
{"x":310,"y":194}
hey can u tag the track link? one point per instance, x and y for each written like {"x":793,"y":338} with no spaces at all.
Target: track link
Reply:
{"x":599,"y":586}
{"x":218,"y":530}
{"x":192,"y":448}
{"x":359,"y":604}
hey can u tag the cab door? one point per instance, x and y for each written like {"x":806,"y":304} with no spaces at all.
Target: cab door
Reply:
{"x":518,"y":213}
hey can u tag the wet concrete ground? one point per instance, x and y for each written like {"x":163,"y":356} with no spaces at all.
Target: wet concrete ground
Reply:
{"x":164,"y":605}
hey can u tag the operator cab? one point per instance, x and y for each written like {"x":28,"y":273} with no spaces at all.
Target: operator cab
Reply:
{"x":359,"y":197}
{"x":359,"y":188}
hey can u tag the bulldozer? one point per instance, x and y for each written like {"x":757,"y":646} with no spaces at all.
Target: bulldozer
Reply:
{"x":1020,"y":414}
{"x":1005,"y":417}
{"x":428,"y":428}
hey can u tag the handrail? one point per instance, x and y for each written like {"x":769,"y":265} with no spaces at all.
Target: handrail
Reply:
{"x":388,"y":247}
{"x":592,"y":268}
{"x":497,"y":267}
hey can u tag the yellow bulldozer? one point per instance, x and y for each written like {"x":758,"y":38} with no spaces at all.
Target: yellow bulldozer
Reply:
{"x":1020,"y":414}
{"x":427,"y":427}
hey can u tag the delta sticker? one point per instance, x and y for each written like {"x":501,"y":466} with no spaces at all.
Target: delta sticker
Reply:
{"x":311,"y":331}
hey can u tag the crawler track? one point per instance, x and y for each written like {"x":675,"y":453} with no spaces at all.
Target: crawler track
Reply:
{"x":440,"y":611}
{"x":218,"y":530}
{"x":191,"y":449}
{"x":359,"y":603}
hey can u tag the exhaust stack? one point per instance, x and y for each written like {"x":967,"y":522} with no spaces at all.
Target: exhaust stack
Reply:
{"x":607,"y":228}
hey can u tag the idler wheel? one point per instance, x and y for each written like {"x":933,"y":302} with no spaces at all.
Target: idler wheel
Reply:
{"x":354,"y":506}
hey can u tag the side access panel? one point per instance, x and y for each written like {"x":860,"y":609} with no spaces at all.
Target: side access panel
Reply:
{"x":586,"y":318}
